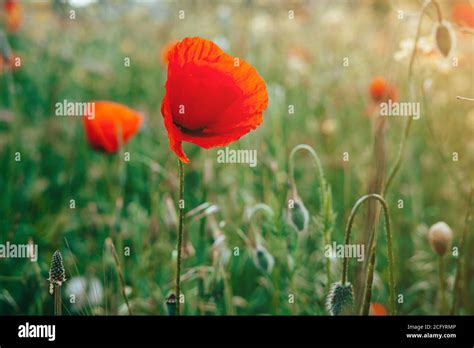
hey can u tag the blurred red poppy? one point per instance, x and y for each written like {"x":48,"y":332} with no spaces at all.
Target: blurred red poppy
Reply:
{"x":463,"y":14}
{"x":212,"y":98}
{"x":380,"y":90}
{"x":8,"y":62}
{"x":377,"y":309}
{"x":108,"y":121}
{"x":14,"y":15}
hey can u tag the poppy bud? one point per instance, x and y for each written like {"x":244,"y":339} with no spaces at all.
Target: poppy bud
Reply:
{"x":263,"y":260}
{"x":57,"y":273}
{"x":440,"y":237}
{"x":444,"y":38}
{"x":297,"y":215}
{"x":340,"y":300}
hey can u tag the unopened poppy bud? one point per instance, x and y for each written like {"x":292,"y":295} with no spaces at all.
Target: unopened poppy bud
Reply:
{"x":57,"y":273}
{"x":297,"y":215}
{"x":340,"y":300}
{"x":440,"y":237}
{"x":444,"y":38}
{"x":263,"y":259}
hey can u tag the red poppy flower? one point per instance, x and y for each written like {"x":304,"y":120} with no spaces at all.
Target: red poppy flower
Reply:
{"x":380,"y":90}
{"x":8,"y":62}
{"x":109,"y":120}
{"x":212,"y":98}
{"x":165,"y":51}
{"x":377,"y":309}
{"x":14,"y":14}
{"x":463,"y":14}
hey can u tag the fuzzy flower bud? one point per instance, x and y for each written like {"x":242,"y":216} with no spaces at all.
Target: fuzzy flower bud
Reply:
{"x":440,"y":237}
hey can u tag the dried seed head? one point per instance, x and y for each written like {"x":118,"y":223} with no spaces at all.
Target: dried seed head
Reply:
{"x":57,"y":273}
{"x":444,"y":38}
{"x":171,"y":304}
{"x":340,"y":300}
{"x":297,"y":215}
{"x":440,"y":237}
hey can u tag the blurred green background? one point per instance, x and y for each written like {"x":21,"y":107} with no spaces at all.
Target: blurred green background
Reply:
{"x":134,"y":203}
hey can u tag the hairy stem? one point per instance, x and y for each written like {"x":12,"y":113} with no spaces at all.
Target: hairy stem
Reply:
{"x":442,"y":287}
{"x":180,"y":236}
{"x":324,"y":196}
{"x":315,"y":156}
{"x":368,"y":286}
{"x":406,"y":130}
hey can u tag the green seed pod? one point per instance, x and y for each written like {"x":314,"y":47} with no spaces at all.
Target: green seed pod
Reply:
{"x":440,"y":237}
{"x":57,"y":273}
{"x":171,"y":304}
{"x":340,"y":300}
{"x":444,"y":38}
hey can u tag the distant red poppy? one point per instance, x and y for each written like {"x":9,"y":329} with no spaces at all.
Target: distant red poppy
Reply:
{"x":380,"y":90}
{"x":109,"y":120}
{"x":463,"y":14}
{"x":8,"y":63}
{"x":212,"y":98}
{"x":14,"y":15}
{"x":377,"y":309}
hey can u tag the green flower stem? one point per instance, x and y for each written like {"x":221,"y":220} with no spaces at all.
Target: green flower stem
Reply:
{"x":409,"y":121}
{"x":457,"y":291}
{"x":368,"y":285}
{"x":180,"y":236}
{"x":442,"y":287}
{"x":120,"y":274}
{"x":57,"y":299}
{"x":324,"y":196}
{"x":315,"y":156}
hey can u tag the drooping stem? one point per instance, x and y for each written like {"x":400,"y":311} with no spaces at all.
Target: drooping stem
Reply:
{"x":315,"y":156}
{"x":57,"y":299}
{"x":324,"y":197}
{"x":180,"y":236}
{"x":406,"y":130}
{"x":368,"y":287}
{"x":442,"y":286}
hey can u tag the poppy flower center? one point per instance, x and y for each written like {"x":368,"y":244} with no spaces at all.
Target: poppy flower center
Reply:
{"x":208,"y":95}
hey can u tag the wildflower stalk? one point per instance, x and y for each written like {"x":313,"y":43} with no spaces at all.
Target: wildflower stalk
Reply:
{"x":457,"y":291}
{"x":57,"y":300}
{"x":409,"y":121}
{"x":368,"y":285}
{"x":180,"y":235}
{"x":465,"y":98}
{"x":120,"y":274}
{"x":324,"y":198}
{"x":57,"y":276}
{"x":442,"y":286}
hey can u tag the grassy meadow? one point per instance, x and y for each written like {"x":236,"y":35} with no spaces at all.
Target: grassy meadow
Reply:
{"x":241,"y":255}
